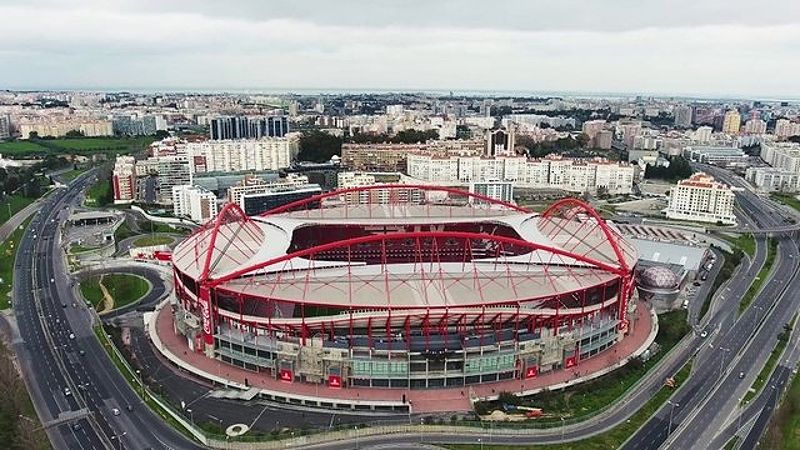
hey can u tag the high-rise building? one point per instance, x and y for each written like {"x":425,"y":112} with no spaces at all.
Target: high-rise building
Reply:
{"x":785,"y":129}
{"x":702,"y":134}
{"x":124,"y":179}
{"x":700,"y":198}
{"x":683,"y":116}
{"x":240,"y":127}
{"x":500,"y":142}
{"x":603,"y":139}
{"x":5,"y":126}
{"x":731,"y":122}
{"x":243,"y":154}
{"x":194,"y":202}
{"x":755,"y":126}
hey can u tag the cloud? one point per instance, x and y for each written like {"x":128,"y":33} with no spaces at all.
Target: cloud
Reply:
{"x":202,"y":45}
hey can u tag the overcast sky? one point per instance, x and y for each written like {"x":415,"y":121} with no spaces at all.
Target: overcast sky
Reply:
{"x":681,"y":47}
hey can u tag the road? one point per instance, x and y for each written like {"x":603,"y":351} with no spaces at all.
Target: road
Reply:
{"x":734,"y":356}
{"x":65,"y":367}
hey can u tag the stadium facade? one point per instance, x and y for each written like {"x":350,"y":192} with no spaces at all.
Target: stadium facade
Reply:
{"x":459,"y":289}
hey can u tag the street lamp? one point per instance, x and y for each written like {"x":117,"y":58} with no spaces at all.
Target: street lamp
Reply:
{"x":191,"y":416}
{"x":563,"y":424}
{"x":669,"y":427}
{"x":480,"y":443}
{"x":356,"y":430}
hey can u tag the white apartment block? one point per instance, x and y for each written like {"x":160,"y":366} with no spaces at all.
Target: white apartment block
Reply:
{"x":124,"y":179}
{"x":60,"y":127}
{"x":172,"y":170}
{"x":784,"y":156}
{"x":238,"y":155}
{"x":551,"y":172}
{"x":701,"y":199}
{"x":498,"y":190}
{"x":195,"y":202}
{"x":702,"y":134}
{"x":755,"y":126}
{"x":770,"y":179}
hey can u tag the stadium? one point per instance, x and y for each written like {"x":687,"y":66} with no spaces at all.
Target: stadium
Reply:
{"x":401,"y":286}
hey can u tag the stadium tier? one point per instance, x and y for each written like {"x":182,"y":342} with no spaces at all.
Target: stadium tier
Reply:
{"x":450,"y":289}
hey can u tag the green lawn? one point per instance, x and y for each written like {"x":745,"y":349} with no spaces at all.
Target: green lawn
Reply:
{"x":772,"y":250}
{"x":124,"y":288}
{"x":117,"y":145}
{"x":147,"y":241}
{"x":608,"y":440}
{"x":123,"y":232}
{"x":784,"y":429}
{"x":16,"y":203}
{"x":100,"y":194}
{"x":789,"y":200}
{"x":587,"y":398}
{"x":746,"y":242}
{"x":766,"y":371}
{"x":78,"y":248}
{"x":8,"y":252}
{"x":72,"y":174}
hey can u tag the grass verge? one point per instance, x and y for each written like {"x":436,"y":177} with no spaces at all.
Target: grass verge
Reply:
{"x":746,"y":242}
{"x":8,"y":253}
{"x":772,"y":250}
{"x":123,"y":288}
{"x":769,"y":366}
{"x":613,"y":438}
{"x":586,"y":399}
{"x":148,"y":241}
{"x":786,"y":199}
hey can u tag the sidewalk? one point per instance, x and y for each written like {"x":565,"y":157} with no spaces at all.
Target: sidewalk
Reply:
{"x":174,"y":348}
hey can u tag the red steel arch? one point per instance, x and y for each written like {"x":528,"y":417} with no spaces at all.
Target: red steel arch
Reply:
{"x":618,"y":270}
{"x":422,"y":187}
{"x":612,"y":237}
{"x":230,"y":212}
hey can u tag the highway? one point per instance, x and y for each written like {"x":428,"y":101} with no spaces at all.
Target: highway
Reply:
{"x":735,"y":355}
{"x":74,"y":386}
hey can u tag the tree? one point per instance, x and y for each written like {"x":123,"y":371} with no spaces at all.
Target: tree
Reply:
{"x":74,"y":134}
{"x":679,"y":169}
{"x":162,"y":134}
{"x":318,"y":146}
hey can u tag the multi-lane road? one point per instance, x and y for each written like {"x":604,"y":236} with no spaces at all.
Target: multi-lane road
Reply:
{"x":80,"y":396}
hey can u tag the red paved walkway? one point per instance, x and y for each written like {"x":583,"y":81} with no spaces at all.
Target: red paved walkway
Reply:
{"x":430,"y":400}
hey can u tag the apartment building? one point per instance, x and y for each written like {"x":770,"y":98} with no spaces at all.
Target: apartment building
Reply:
{"x":347,"y":180}
{"x":388,"y":157}
{"x":238,"y":155}
{"x":702,"y":199}
{"x":124,"y":179}
{"x":196,"y":203}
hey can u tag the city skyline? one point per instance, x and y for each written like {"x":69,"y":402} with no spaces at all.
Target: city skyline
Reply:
{"x":577,"y":47}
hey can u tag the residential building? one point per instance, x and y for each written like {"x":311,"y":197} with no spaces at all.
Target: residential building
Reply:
{"x":551,"y":172}
{"x":500,"y":142}
{"x":771,"y":179}
{"x":702,"y":199}
{"x":124,"y":179}
{"x":58,"y":127}
{"x":5,"y":127}
{"x":388,"y":157}
{"x":755,"y":126}
{"x":197,"y":203}
{"x":603,"y":139}
{"x":498,"y":190}
{"x":783,"y":156}
{"x":785,"y":129}
{"x":240,"y":127}
{"x":702,"y":134}
{"x":133,"y":125}
{"x":347,"y":180}
{"x":731,"y":122}
{"x":238,"y":155}
{"x":683,"y":116}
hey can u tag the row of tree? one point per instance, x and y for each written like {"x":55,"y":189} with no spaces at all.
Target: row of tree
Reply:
{"x":679,"y":169}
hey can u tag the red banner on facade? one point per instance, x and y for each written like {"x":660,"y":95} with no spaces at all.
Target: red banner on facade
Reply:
{"x":286,"y":375}
{"x":572,"y":361}
{"x":531,"y":371}
{"x":334,"y":381}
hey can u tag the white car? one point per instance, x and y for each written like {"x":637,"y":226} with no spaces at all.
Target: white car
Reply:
{"x":704,"y":334}
{"x":67,"y":392}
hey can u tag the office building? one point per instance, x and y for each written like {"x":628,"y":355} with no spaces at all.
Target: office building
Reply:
{"x":716,"y":155}
{"x":124,"y":179}
{"x":683,"y":116}
{"x":267,"y":197}
{"x":497,"y":190}
{"x":702,"y":199}
{"x":731,"y":122}
{"x":240,"y":127}
{"x":196,"y":203}
{"x":252,"y":184}
{"x":132,"y":125}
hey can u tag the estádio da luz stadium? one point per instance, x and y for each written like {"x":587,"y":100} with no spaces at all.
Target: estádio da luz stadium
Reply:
{"x":398,"y":286}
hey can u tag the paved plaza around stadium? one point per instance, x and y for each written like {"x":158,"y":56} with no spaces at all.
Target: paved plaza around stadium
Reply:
{"x":174,"y":347}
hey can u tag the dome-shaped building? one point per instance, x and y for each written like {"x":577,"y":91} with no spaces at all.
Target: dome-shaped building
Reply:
{"x":659,"y":285}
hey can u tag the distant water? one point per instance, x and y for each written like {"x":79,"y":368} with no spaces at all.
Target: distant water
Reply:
{"x":431,"y":92}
